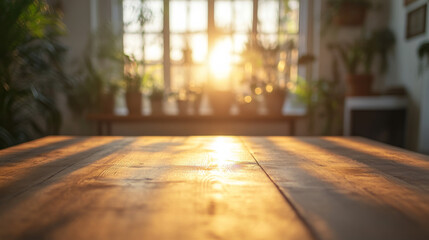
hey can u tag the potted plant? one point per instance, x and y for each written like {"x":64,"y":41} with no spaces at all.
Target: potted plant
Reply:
{"x":248,"y":105}
{"x":261,"y":67}
{"x":107,"y":99}
{"x":221,"y":101}
{"x":275,"y":97}
{"x":156,"y":100}
{"x":195,"y":97}
{"x":133,"y":82}
{"x":322,"y":97}
{"x":347,"y":12}
{"x":94,"y":86}
{"x":182,"y":102}
{"x":358,"y":57}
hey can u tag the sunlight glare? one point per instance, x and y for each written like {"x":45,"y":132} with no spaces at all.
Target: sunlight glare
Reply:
{"x":220,"y":59}
{"x":223,"y":150}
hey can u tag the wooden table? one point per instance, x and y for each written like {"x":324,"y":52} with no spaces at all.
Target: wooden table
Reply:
{"x":104,"y":121}
{"x":212,"y":187}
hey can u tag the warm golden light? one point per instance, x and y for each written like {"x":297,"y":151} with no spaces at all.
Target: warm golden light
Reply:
{"x":247,"y":99}
{"x":281,"y":66}
{"x":269,"y":88}
{"x":248,"y":68}
{"x":220,"y":59}
{"x":258,"y":91}
{"x":222,"y":150}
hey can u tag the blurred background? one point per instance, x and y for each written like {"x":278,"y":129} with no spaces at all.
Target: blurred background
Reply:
{"x":234,"y":67}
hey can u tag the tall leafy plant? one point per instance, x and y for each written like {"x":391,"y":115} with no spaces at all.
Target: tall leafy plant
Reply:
{"x":359,"y":55}
{"x":30,"y":69}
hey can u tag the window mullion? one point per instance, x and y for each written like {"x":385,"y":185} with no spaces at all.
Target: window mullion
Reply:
{"x":254,"y":21}
{"x":166,"y":38}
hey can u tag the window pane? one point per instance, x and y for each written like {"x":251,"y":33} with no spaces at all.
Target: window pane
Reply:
{"x":133,"y":45}
{"x":223,"y":15}
{"x":177,"y":43}
{"x":240,"y":41}
{"x":198,"y":43}
{"x":153,"y":47}
{"x":268,"y":16}
{"x":178,"y":73}
{"x":156,"y":71}
{"x":178,"y":16}
{"x":199,"y":75}
{"x":131,"y":15}
{"x":198,"y":16}
{"x":268,"y":40}
{"x":290,"y":18}
{"x":243,"y":16}
{"x":155,"y":23}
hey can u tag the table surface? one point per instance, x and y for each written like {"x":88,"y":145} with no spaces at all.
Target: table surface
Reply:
{"x":212,"y":187}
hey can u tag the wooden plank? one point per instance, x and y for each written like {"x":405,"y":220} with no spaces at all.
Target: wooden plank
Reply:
{"x":345,"y":190}
{"x":150,"y":188}
{"x":16,"y":179}
{"x":29,"y":149}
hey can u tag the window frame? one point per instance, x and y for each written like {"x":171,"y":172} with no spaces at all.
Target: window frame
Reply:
{"x":211,"y":32}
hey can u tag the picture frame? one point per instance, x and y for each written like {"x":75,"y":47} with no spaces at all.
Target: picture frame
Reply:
{"x":416,"y":22}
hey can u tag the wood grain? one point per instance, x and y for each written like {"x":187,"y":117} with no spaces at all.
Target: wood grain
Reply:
{"x":349,"y":188}
{"x":144,"y":188}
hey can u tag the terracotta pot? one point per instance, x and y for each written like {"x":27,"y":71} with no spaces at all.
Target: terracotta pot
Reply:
{"x":182,"y":105}
{"x":156,"y":107}
{"x":197,"y":103}
{"x":351,"y":14}
{"x":134,"y":103}
{"x":275,"y":101}
{"x":221,"y":102}
{"x":249,"y":109}
{"x":107,"y":103}
{"x":359,"y":84}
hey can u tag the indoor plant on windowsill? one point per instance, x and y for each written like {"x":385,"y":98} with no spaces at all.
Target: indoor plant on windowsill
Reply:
{"x":275,"y":97}
{"x":156,"y":100}
{"x":221,"y":101}
{"x":133,"y":83}
{"x":94,"y":86}
{"x":195,"y":96}
{"x":249,"y":103}
{"x":183,"y":101}
{"x":107,"y":99}
{"x":359,"y":56}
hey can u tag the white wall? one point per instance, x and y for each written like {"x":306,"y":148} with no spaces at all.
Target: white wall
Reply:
{"x":404,"y":71}
{"x":81,"y":18}
{"x":78,"y":25}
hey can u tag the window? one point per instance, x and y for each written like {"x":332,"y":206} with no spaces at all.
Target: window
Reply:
{"x":143,"y":34}
{"x":189,"y":37}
